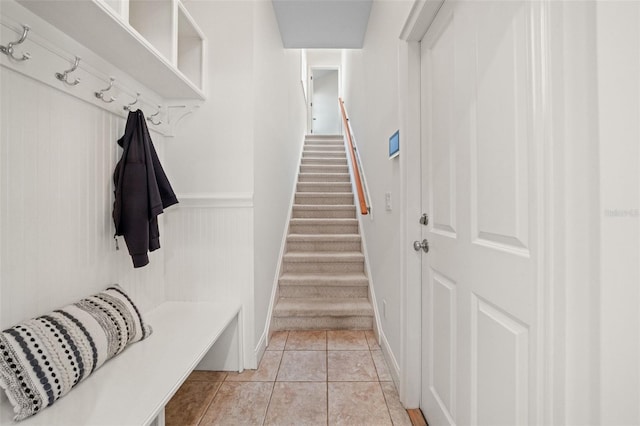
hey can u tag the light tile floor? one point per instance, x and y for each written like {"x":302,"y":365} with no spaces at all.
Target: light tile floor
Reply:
{"x":304,"y":378}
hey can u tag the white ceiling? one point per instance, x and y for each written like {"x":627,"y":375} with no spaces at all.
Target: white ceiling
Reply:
{"x":322,"y":24}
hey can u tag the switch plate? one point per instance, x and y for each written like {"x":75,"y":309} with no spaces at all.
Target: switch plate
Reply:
{"x":387,"y":201}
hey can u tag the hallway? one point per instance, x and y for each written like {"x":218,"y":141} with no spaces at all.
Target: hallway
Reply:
{"x":305,"y":377}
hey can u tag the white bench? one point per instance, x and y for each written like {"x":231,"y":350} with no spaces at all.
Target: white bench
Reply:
{"x":134,"y":387}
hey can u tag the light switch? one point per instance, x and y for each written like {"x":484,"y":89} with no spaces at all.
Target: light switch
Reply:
{"x":387,"y":201}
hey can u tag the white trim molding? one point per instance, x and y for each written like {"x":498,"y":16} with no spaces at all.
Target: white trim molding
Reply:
{"x":216,"y":200}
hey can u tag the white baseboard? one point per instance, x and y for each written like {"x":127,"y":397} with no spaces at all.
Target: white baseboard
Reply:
{"x":392,"y":362}
{"x":283,"y":244}
{"x":261,"y":347}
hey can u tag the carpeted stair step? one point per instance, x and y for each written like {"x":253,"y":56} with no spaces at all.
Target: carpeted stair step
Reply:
{"x":324,"y":187}
{"x":323,"y":292}
{"x":355,"y":285}
{"x":323,"y":147}
{"x":322,"y":313}
{"x":324,"y":177}
{"x":324,"y":154}
{"x":324,"y":138}
{"x":324,"y":168}
{"x":324,"y":242}
{"x":319,"y":198}
{"x":313,"y":143}
{"x":323,"y":262}
{"x":327,"y":211}
{"x":324,"y":160}
{"x":355,"y":279}
{"x":323,"y":226}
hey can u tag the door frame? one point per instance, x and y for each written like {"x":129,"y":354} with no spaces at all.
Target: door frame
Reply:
{"x":310,"y":69}
{"x":552,"y":268}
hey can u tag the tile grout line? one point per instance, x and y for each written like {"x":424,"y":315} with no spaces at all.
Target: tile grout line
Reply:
{"x":204,"y":412}
{"x":275,"y":379}
{"x":326,"y":356}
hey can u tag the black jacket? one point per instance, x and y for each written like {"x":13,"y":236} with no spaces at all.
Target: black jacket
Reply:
{"x":142,"y":191}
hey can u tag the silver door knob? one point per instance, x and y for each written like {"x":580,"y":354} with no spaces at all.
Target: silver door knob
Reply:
{"x":424,"y":245}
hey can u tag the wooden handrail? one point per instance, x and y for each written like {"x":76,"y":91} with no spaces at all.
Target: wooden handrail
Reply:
{"x":364,"y":209}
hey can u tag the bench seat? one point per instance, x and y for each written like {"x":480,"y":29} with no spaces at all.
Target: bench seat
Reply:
{"x":133,"y":387}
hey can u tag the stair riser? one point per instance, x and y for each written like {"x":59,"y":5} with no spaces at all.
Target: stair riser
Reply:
{"x":324,"y":177}
{"x":315,"y":168}
{"x":323,"y":214}
{"x":332,"y":187}
{"x":302,"y":282}
{"x":327,"y":140}
{"x":317,"y":267}
{"x":323,"y":292}
{"x":325,"y":201}
{"x":322,"y":323}
{"x":324,"y":154}
{"x":329,"y":146}
{"x":324,"y":161}
{"x":323,"y":147}
{"x":324,"y":246}
{"x":324,"y":229}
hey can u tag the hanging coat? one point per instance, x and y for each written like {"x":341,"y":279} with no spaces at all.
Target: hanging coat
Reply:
{"x":142,"y":191}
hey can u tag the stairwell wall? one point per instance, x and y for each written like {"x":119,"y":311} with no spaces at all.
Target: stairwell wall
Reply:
{"x":233,"y":163}
{"x":370,"y":81}
{"x":279,"y":127}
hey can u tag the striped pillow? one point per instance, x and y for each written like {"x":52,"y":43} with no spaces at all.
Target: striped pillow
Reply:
{"x":42,"y":359}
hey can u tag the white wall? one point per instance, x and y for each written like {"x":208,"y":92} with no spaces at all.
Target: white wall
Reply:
{"x":213,"y":148}
{"x":370,"y":79}
{"x":211,"y":161}
{"x":327,"y":58}
{"x":279,"y":127}
{"x":234,"y":160}
{"x":57,"y":156}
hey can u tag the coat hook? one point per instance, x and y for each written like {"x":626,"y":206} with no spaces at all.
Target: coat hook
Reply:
{"x":150,"y":118}
{"x":100,"y":94}
{"x":8,"y":49}
{"x":64,"y":76}
{"x":128,"y":106}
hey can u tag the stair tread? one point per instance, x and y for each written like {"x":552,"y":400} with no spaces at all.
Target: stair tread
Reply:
{"x":323,"y":174}
{"x":323,"y":256}
{"x":324,"y":206}
{"x":327,"y":279}
{"x":324,"y":220}
{"x":325,"y":194}
{"x":323,"y":237}
{"x":310,"y":306}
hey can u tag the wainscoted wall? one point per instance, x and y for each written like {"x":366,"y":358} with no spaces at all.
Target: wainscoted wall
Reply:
{"x":57,"y":156}
{"x":209,"y":254}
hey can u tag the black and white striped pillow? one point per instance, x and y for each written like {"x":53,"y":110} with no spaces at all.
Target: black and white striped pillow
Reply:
{"x":42,"y":359}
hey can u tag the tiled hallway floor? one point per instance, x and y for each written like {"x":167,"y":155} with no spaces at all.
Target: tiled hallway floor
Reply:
{"x":304,"y":378}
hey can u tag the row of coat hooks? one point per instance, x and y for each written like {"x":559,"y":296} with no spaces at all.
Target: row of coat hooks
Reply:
{"x":100,"y":94}
{"x":69,"y":80}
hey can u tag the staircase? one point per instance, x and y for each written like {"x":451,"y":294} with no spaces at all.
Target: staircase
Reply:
{"x":323,"y":283}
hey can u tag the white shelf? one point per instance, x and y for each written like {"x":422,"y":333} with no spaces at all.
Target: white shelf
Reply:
{"x":190,"y":58}
{"x":103,"y":28}
{"x":153,"y":20}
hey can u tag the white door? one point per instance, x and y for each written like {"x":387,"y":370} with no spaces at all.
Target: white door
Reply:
{"x":325,"y":115}
{"x":481,"y":189}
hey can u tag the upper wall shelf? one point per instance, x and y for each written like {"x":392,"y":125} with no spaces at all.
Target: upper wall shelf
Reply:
{"x":140,"y":37}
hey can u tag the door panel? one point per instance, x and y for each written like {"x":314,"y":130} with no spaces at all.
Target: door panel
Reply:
{"x":480,"y":188}
{"x":500,"y":141}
